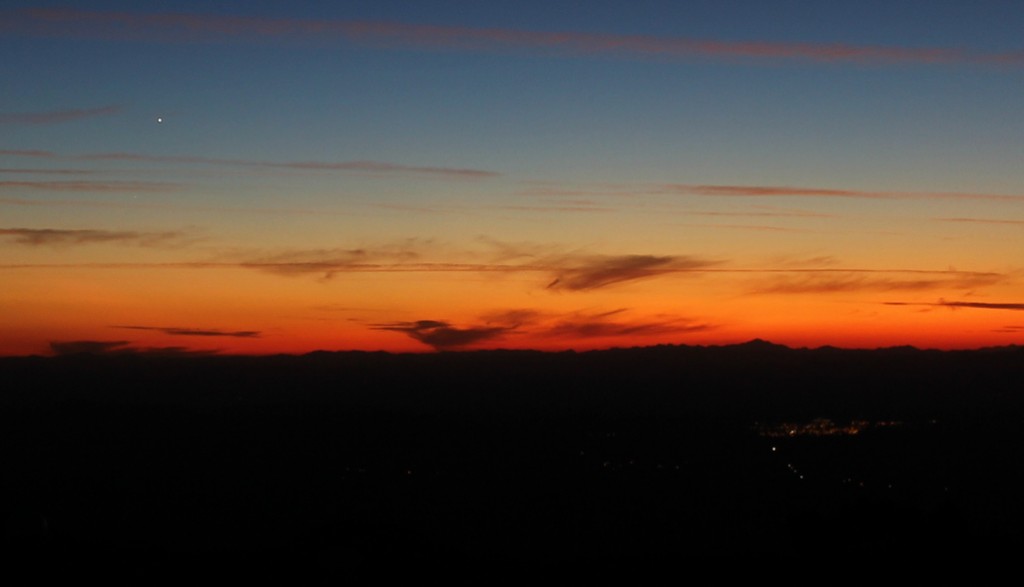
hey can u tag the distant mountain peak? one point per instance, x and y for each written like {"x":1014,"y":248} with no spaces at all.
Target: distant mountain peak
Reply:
{"x":760,"y":343}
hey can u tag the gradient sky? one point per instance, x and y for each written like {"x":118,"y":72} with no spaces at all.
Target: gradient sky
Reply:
{"x":263,"y":177}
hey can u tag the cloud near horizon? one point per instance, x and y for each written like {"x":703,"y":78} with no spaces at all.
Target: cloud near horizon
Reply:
{"x":172,"y":331}
{"x":1014,"y":306}
{"x":601,"y":327}
{"x":207,"y":28}
{"x":56,"y":116}
{"x":589,"y":324}
{"x":533,"y":324}
{"x":442,"y":335}
{"x":122,"y":347}
{"x":95,"y":347}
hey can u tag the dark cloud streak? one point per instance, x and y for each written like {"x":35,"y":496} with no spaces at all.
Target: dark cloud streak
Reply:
{"x":43,"y":171}
{"x":27,"y":153}
{"x":595,"y":272}
{"x":207,"y":28}
{"x":57,"y":116}
{"x":817,"y":192}
{"x":599,"y":328}
{"x":758,"y":191}
{"x":983,"y":221}
{"x":442,"y":335}
{"x":94,"y":347}
{"x":93,"y":186}
{"x":1013,"y":306}
{"x":835,"y":281}
{"x":172,"y":331}
{"x":374,"y":167}
{"x":53,"y":236}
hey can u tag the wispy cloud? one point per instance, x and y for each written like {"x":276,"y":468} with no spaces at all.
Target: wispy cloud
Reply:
{"x":122,"y":347}
{"x":196,"y":331}
{"x":753,"y":191}
{"x":136,"y":205}
{"x":595,"y":271}
{"x":578,"y":271}
{"x":372,"y":167}
{"x":774,"y":213}
{"x":27,"y":153}
{"x":184,"y":28}
{"x":442,"y":335}
{"x":761,"y":191}
{"x":754,"y":227}
{"x":839,"y":280}
{"x":556,"y":208}
{"x":92,"y":186}
{"x":44,"y":171}
{"x":1014,"y":306}
{"x":54,"y":236}
{"x":603,"y":327}
{"x":55,"y":116}
{"x":74,"y":347}
{"x":557,"y":269}
{"x":983,"y":221}
{"x":330,"y":261}
{"x":536,"y":325}
{"x":360,"y":166}
{"x":817,"y":263}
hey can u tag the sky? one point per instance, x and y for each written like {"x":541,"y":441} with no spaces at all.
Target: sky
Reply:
{"x":283,"y":177}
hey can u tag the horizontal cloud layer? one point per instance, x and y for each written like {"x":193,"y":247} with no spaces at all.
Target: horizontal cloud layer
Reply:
{"x":92,"y":186}
{"x":121,"y":347}
{"x":365,"y":166}
{"x":536,"y":325}
{"x":205,"y":28}
{"x":27,"y":153}
{"x":54,"y":236}
{"x":196,"y":331}
{"x":592,"y":272}
{"x":74,"y":347}
{"x":55,"y":116}
{"x":816,"y":192}
{"x":442,"y":335}
{"x":379,"y":167}
{"x":755,"y":191}
{"x":984,"y":221}
{"x":1016,"y":306}
{"x":840,"y":280}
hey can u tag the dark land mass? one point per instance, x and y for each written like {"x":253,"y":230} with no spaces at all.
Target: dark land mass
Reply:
{"x":329,"y":459}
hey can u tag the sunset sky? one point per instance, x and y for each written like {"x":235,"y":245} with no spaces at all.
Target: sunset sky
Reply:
{"x":265,"y":177}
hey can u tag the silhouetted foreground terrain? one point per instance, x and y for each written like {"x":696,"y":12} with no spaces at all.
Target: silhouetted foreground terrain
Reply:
{"x":332,"y":458}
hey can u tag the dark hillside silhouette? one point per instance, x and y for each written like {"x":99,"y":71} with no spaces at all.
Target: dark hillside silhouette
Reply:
{"x":661,"y":451}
